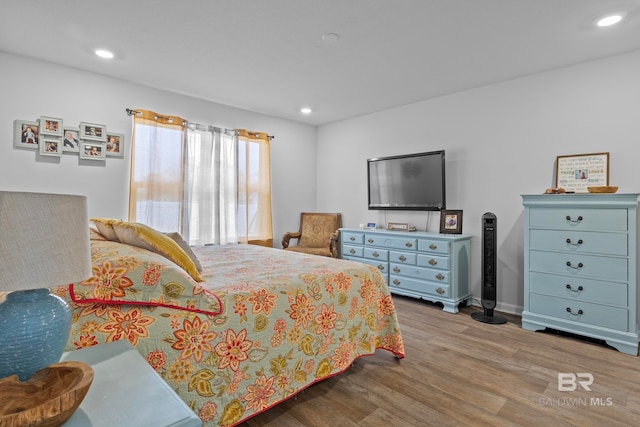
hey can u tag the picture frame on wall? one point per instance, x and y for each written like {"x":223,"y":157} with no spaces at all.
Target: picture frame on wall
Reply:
{"x":71,"y":140}
{"x":92,"y":132}
{"x":575,"y":173}
{"x":50,"y":146}
{"x":26,"y":134}
{"x":92,"y":150}
{"x":50,"y":126}
{"x":450,"y":221}
{"x":115,"y":144}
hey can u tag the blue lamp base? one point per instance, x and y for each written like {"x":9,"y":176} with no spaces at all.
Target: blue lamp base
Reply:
{"x":34,"y":329}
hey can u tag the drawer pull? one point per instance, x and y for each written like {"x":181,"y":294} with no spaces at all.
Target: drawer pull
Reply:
{"x":580,"y":288}
{"x":580,"y":265}
{"x":352,"y":251}
{"x":578,"y":243}
{"x":432,"y":261}
{"x":352,"y":238}
{"x":433,"y":247}
{"x":440,"y":291}
{"x":575,"y":221}
{"x":402,"y":258}
{"x":396,"y":282}
{"x":440,"y":277}
{"x":380,"y":267}
{"x":370,"y":240}
{"x":579,"y":313}
{"x":396,"y":270}
{"x":375,"y":254}
{"x":409,"y":244}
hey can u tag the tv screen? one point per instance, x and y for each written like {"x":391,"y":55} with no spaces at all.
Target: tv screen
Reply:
{"x":407,"y":182}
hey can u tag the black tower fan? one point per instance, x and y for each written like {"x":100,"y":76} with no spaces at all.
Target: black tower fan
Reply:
{"x":489,"y":284}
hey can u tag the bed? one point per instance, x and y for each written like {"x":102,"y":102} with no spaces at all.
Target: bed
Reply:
{"x":260,"y":326}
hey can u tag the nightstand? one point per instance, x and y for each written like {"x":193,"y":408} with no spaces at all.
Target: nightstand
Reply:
{"x":126,"y":391}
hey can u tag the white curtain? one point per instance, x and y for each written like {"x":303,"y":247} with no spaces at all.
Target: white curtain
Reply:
{"x":211,"y":186}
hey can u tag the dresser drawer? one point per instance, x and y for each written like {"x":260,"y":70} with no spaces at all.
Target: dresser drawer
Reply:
{"x":580,"y":311}
{"x":400,"y":242}
{"x":578,"y":265}
{"x":433,"y":246}
{"x":579,"y":241}
{"x":402,"y":257}
{"x":400,"y":282}
{"x":355,"y":238}
{"x":579,"y":218}
{"x":431,"y":274}
{"x":380,"y":265}
{"x":579,"y":289}
{"x":376,"y":253}
{"x":349,"y":250}
{"x":433,"y":261}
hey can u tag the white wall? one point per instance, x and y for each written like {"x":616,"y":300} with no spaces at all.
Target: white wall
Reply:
{"x":32,"y":88}
{"x":501,"y":141}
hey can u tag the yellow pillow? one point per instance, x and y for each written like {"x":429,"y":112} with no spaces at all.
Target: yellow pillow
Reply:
{"x":143,"y":236}
{"x":105,"y":227}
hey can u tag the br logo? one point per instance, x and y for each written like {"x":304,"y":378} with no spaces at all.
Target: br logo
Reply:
{"x":568,"y":381}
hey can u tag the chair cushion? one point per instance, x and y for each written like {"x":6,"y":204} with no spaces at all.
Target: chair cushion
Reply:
{"x":317,"y":230}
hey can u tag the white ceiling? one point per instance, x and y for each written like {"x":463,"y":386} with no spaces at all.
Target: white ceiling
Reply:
{"x":268,"y":56}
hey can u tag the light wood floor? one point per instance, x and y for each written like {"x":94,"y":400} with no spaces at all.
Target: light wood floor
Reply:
{"x":460,"y":372}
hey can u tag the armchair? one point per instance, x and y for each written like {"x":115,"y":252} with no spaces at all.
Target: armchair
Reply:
{"x":318,"y":234}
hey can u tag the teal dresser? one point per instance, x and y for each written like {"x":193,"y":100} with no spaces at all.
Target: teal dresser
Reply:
{"x":580,"y":266}
{"x":431,"y":266}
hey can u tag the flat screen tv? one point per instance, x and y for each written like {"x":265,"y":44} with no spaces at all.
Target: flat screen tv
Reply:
{"x":407,"y":182}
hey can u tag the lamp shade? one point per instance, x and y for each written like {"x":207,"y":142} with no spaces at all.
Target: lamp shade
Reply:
{"x":44,"y":242}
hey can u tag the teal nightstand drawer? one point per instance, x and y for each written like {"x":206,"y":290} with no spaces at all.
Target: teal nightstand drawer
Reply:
{"x":579,"y":289}
{"x":579,"y":241}
{"x":433,"y":261}
{"x":349,"y":250}
{"x":575,"y":218}
{"x":440,"y":276}
{"x":580,"y":311}
{"x":355,"y":238}
{"x":407,"y":283}
{"x":373,"y":239}
{"x":433,"y":246}
{"x":402,"y":257}
{"x":375,"y":253}
{"x":589,"y":266}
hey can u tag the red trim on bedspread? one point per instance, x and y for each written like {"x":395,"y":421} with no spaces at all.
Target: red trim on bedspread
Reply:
{"x":86,"y":301}
{"x":398,"y":355}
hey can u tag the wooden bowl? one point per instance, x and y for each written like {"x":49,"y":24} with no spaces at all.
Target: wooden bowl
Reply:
{"x":603,"y":189}
{"x":48,"y":398}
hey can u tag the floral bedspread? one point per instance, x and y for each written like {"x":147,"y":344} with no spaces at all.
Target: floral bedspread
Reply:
{"x":284,"y":321}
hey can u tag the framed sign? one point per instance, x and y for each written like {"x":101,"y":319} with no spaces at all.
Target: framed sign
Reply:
{"x":450,"y":222}
{"x":577,"y":172}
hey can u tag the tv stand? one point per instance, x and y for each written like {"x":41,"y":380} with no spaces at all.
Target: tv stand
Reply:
{"x":431,"y":266}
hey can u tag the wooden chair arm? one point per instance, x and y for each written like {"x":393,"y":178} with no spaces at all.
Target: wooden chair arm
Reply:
{"x":333,"y":243}
{"x":288,"y":236}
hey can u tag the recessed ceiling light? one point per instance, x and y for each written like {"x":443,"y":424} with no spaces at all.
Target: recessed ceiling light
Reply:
{"x":610,"y":20}
{"x":305,"y":110}
{"x":330,"y":37}
{"x":102,"y":53}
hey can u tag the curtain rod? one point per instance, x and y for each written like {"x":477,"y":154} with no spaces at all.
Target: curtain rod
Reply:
{"x":131,"y":112}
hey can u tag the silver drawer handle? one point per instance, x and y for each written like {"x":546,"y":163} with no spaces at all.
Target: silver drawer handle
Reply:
{"x":433,"y":247}
{"x":352,"y":238}
{"x":409,"y":244}
{"x":575,"y":221}
{"x":396,"y":282}
{"x":381,"y":267}
{"x":440,"y":277}
{"x":370,"y":240}
{"x":396,"y":270}
{"x":579,"y":313}
{"x":580,"y":265}
{"x":352,"y":251}
{"x":578,"y":243}
{"x":580,"y":288}
{"x":432,"y":261}
{"x":375,"y":254}
{"x":440,"y":291}
{"x":402,"y":258}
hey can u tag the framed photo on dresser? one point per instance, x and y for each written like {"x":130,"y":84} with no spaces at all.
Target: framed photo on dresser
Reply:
{"x":450,"y":221}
